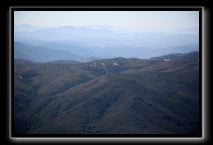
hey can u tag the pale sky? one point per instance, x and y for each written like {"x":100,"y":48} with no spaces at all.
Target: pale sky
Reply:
{"x":136,"y":21}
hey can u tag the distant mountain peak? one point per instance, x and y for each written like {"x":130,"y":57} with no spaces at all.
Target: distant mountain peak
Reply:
{"x":67,"y":27}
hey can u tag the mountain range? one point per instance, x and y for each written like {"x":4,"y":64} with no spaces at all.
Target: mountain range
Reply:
{"x":101,"y":41}
{"x":159,"y":95}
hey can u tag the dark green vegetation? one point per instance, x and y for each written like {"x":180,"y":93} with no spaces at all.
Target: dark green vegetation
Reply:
{"x":122,"y":96}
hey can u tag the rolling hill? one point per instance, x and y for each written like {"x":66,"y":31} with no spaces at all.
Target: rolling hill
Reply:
{"x":33,"y":53}
{"x":108,"y":96}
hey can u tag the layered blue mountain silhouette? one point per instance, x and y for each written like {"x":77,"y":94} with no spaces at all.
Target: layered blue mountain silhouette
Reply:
{"x":95,"y":80}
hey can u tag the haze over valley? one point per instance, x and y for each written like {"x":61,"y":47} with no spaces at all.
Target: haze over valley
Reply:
{"x":82,"y":43}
